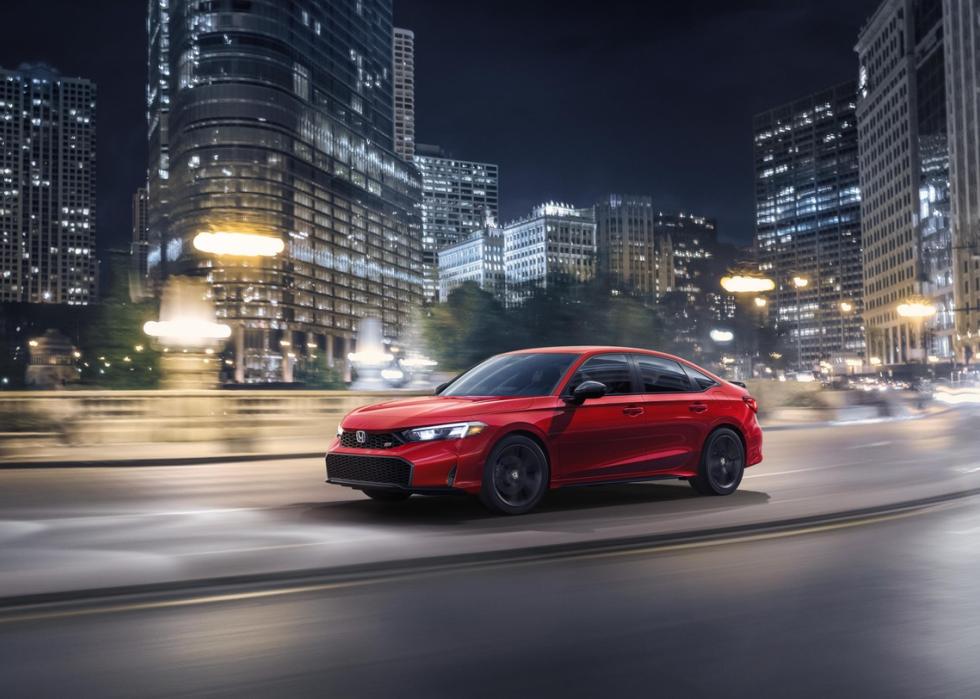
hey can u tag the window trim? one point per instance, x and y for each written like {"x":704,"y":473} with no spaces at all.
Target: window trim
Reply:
{"x":696,"y":387}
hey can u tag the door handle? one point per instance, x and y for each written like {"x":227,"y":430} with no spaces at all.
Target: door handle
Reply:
{"x":698,"y":407}
{"x":632,"y":411}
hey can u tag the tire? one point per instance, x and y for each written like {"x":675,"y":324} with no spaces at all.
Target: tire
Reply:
{"x":722,"y":464}
{"x":382,"y":495}
{"x":515,"y":476}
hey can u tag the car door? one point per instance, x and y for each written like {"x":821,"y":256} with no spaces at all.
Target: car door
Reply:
{"x":676,"y":413}
{"x":602,"y":437}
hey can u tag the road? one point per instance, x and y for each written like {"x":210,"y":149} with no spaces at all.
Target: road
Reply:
{"x":880,"y":608}
{"x":72,"y":529}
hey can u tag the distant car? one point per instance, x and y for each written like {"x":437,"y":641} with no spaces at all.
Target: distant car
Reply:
{"x":520,"y":423}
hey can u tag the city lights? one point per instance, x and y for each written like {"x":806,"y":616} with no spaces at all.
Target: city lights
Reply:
{"x":721,"y":336}
{"x":801,"y":282}
{"x":186,"y":330}
{"x":742,"y":284}
{"x":916,"y":308}
{"x":846,"y":306}
{"x":760,"y":302}
{"x":238,"y":244}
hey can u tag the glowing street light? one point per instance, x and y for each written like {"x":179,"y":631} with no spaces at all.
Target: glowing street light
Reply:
{"x":916,"y":308}
{"x":721,"y":336}
{"x":743,"y":284}
{"x":801,"y":282}
{"x":846,"y":306}
{"x":238,"y":244}
{"x":760,"y":302}
{"x":186,"y":330}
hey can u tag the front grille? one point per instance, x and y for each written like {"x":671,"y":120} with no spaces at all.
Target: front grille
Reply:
{"x":368,"y":469}
{"x":372,"y":440}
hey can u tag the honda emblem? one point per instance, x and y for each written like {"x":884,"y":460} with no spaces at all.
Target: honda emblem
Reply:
{"x":361,"y":436}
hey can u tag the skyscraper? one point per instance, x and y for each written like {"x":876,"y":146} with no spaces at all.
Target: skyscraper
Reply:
{"x":478,"y":259}
{"x":140,"y":244}
{"x":557,"y":242}
{"x":459,"y":197}
{"x":901,"y":115}
{"x":962,"y":17}
{"x":403,"y":79}
{"x":808,"y":222}
{"x":47,"y":187}
{"x":158,"y":88}
{"x":630,"y":254}
{"x":283,"y":188}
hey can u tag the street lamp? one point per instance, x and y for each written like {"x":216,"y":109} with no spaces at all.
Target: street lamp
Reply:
{"x":845,"y":308}
{"x":918,"y":310}
{"x":760,"y":302}
{"x":721,"y":336}
{"x":744,"y":284}
{"x":799,"y":283}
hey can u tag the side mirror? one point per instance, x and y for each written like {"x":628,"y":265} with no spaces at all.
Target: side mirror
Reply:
{"x":586,"y":390}
{"x":442,"y":387}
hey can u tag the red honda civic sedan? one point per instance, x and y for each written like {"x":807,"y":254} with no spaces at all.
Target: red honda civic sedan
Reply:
{"x":520,"y":423}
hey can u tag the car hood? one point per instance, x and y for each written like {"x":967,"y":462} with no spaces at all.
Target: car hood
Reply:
{"x":428,"y":410}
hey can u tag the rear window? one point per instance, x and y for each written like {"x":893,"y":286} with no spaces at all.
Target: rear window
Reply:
{"x":659,"y":375}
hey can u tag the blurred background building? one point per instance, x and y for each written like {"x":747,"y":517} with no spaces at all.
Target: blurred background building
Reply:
{"x":901,"y":117}
{"x":141,"y":231}
{"x":478,"y":259}
{"x":962,"y":17}
{"x":47,"y":187}
{"x":808,"y":222}
{"x":556,"y":242}
{"x":459,"y":197}
{"x":271,"y":133}
{"x":403,"y":83}
{"x":630,"y":253}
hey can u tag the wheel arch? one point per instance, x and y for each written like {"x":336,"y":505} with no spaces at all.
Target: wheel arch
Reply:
{"x":734,"y":428}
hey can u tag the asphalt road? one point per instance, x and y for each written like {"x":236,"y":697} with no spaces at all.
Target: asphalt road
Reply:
{"x":886,"y":608}
{"x":71,"y":529}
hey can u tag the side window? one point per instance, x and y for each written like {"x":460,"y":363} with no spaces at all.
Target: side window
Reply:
{"x":661,"y":375}
{"x":610,"y":369}
{"x":700,"y":380}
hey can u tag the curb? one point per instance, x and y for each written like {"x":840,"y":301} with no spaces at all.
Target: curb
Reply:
{"x":11,"y":607}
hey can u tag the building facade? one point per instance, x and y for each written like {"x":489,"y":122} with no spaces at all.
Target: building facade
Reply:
{"x":557,"y":242}
{"x":630,"y":253}
{"x":478,"y":259}
{"x":403,"y":81}
{"x":459,"y":197}
{"x":904,"y":181}
{"x":47,"y":187}
{"x":158,"y":78}
{"x":808,"y":222}
{"x":960,"y":22}
{"x":283,"y":187}
{"x":141,"y":228}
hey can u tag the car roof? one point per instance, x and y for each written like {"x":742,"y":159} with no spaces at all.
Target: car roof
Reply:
{"x":587,"y":349}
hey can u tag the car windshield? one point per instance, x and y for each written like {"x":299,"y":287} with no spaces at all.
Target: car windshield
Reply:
{"x":513,"y":375}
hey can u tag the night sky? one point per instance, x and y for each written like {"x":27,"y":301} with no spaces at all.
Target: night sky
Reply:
{"x":572,"y":99}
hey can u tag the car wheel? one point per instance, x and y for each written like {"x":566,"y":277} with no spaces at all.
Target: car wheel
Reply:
{"x":722,"y":464}
{"x":515,"y":476}
{"x":382,"y":495}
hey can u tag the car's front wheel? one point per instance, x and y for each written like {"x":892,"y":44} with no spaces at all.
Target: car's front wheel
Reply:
{"x":515,"y":477}
{"x":382,"y":495}
{"x":722,"y":464}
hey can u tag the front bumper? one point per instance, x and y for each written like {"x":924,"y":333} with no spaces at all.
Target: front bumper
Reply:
{"x":426,"y":467}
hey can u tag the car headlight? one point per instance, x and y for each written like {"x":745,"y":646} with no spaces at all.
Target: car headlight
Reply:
{"x":340,"y":431}
{"x":455,"y":430}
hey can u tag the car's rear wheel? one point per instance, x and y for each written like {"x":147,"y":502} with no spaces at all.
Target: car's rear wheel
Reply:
{"x":515,"y":477}
{"x":382,"y":495}
{"x":722,"y":464}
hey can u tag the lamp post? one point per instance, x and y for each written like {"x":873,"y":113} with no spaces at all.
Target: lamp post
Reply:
{"x":799,"y":283}
{"x":846,"y":307}
{"x":918,"y":310}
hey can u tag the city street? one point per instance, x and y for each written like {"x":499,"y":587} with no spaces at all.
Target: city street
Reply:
{"x":885,"y":607}
{"x":65,"y":530}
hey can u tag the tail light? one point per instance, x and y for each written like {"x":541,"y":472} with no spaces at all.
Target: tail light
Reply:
{"x":750,"y":401}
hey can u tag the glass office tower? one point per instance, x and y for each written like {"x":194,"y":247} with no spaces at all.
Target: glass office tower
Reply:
{"x":283,"y":188}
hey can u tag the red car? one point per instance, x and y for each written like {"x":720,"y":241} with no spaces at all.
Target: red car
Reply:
{"x":520,"y":423}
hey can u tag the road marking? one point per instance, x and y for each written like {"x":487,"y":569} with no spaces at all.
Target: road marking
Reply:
{"x":871,"y":445}
{"x":468,"y":567}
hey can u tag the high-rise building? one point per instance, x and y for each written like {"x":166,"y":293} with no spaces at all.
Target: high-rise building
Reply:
{"x":158,"y":61}
{"x":403,"y":80}
{"x":630,"y":254}
{"x":901,"y":116}
{"x":283,"y":187}
{"x":557,"y":242}
{"x":478,"y":259}
{"x":47,"y":187}
{"x":459,"y":197}
{"x":960,"y":22}
{"x":808,"y":222}
{"x":140,"y":241}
